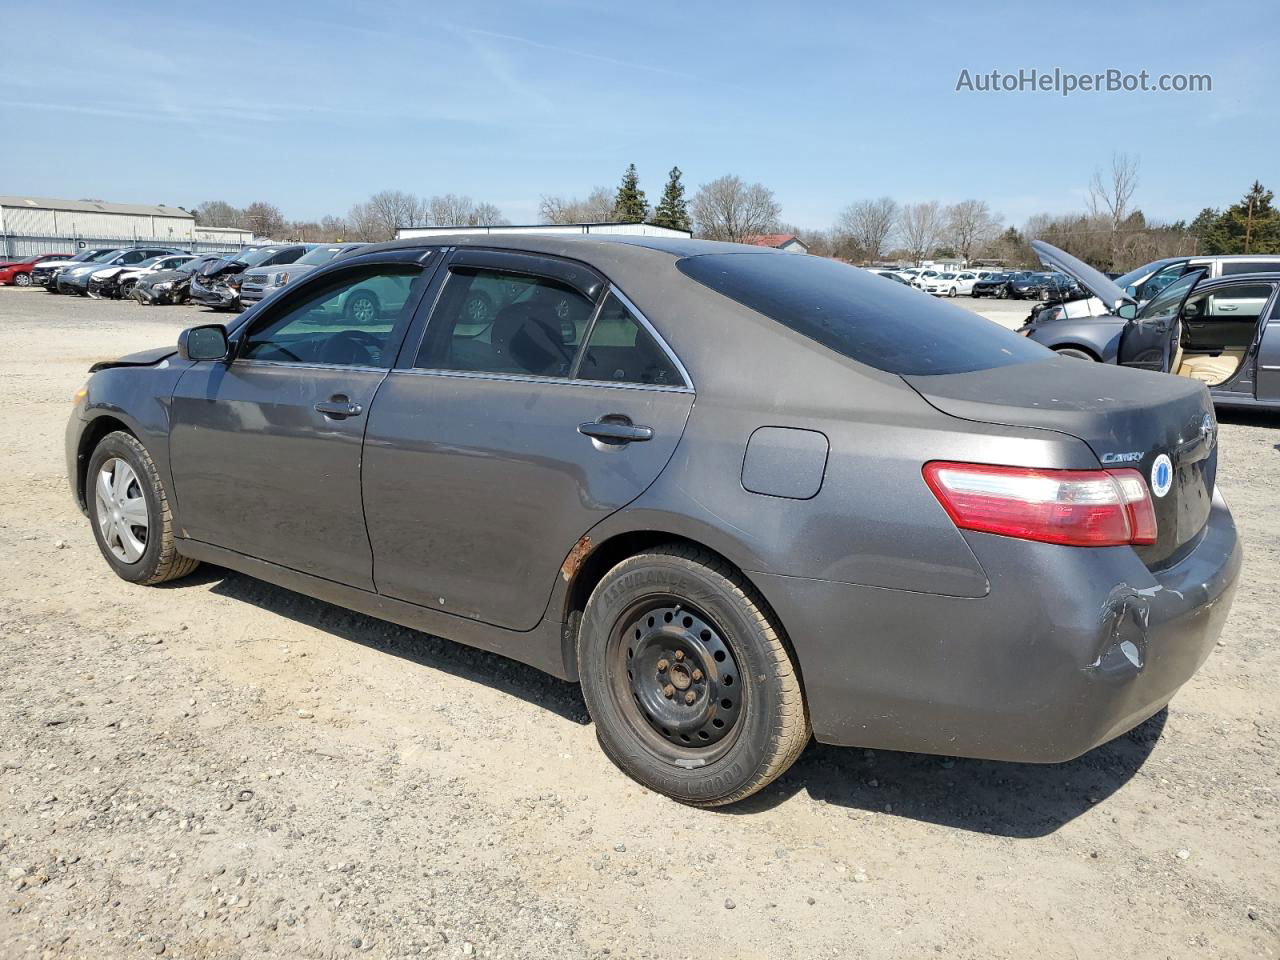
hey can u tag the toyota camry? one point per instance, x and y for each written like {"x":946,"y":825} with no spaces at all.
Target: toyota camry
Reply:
{"x":745,"y":497}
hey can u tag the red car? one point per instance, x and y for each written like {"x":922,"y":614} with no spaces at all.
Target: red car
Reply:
{"x":18,"y":272}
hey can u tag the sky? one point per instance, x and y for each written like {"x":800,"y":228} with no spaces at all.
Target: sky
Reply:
{"x":313,"y":106}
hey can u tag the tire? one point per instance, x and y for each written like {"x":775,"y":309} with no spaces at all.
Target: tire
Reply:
{"x":157,"y":559}
{"x":361,"y":307}
{"x":478,"y":307}
{"x":125,"y":289}
{"x":706,"y":635}
{"x":1075,"y":353}
{"x":1004,"y":293}
{"x":951,"y":292}
{"x":22,"y":280}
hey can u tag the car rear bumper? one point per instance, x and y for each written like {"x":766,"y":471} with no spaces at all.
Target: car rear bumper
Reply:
{"x":1071,"y":647}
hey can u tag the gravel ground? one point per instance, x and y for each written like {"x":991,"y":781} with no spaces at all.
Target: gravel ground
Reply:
{"x":222,"y":768}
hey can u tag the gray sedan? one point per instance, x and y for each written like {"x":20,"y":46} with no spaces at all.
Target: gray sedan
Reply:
{"x":1222,"y":332}
{"x":744,"y":497}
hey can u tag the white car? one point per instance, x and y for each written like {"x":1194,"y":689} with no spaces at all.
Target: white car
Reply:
{"x":947,"y":284}
{"x":118,"y":281}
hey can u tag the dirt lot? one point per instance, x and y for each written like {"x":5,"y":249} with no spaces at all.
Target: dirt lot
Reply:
{"x":225,"y":769}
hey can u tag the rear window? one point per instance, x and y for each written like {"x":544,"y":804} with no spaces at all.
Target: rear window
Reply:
{"x":885,"y":325}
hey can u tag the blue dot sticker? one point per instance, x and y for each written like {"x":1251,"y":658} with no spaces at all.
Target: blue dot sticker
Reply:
{"x":1161,"y":475}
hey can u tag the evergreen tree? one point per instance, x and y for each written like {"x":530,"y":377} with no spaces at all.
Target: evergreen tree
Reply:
{"x":630,"y":206}
{"x":673,"y":211}
{"x":1250,"y":226}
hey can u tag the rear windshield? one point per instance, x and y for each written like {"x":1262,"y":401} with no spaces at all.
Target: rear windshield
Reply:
{"x":888,"y":326}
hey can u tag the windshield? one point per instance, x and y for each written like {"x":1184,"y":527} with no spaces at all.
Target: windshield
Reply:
{"x":102,"y":256}
{"x":884,"y":325}
{"x":152,"y":261}
{"x":1147,"y":269}
{"x":321,"y":255}
{"x":251,"y":258}
{"x":1166,"y":303}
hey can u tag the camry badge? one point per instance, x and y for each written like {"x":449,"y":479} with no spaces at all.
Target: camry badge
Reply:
{"x":1161,"y":475}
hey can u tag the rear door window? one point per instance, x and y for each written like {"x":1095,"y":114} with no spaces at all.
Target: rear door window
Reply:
{"x":1233,"y":267}
{"x":620,"y":350}
{"x":882,"y":325}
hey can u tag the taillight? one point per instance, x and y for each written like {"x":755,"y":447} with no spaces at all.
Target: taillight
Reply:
{"x":1080,"y":508}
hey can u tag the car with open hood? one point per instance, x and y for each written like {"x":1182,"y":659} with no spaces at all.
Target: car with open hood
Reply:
{"x":828,"y":508}
{"x":217,"y":285}
{"x":263,"y":281}
{"x":17,"y":271}
{"x":1222,"y":331}
{"x":171,"y":286}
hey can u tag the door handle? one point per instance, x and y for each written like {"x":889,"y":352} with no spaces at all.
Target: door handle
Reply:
{"x":339,"y":408}
{"x":615,"y":429}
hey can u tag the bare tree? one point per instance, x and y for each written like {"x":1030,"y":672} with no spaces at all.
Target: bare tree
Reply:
{"x":333,"y":228}
{"x":970,"y":226}
{"x":729,"y":209}
{"x":389,"y":209}
{"x":487,"y":215}
{"x":596,"y":208}
{"x":217,"y":213}
{"x":867,"y":225}
{"x":920,"y":226}
{"x":264,"y":219}
{"x":451,"y":210}
{"x":1110,"y":197}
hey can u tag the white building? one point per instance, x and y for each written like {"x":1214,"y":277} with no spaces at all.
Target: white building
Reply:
{"x":44,"y":217}
{"x":629,"y":229}
{"x":231,"y":236}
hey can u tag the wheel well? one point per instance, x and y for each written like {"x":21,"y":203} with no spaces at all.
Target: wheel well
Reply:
{"x":1076,"y":346}
{"x":612,"y":552}
{"x":92,"y":436}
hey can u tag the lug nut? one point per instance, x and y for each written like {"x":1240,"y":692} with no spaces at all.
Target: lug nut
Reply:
{"x":689,"y":698}
{"x":668,"y":691}
{"x":662,"y":666}
{"x":679,"y":654}
{"x":697,"y":674}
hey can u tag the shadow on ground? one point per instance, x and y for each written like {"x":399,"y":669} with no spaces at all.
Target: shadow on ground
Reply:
{"x":1003,"y":799}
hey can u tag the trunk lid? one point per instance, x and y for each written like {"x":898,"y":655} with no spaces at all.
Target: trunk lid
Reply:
{"x":1128,"y":418}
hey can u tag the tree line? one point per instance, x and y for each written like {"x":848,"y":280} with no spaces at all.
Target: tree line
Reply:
{"x":1111,"y":232}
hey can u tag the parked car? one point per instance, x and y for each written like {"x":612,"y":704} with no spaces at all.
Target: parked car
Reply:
{"x":42,"y":274}
{"x":1146,"y":281}
{"x":171,"y":286}
{"x":217,"y":285}
{"x":74,"y":278}
{"x":261,"y":282}
{"x":862,"y":553}
{"x":117,"y":281}
{"x":997,"y":284}
{"x":948,"y":284}
{"x":18,"y":272}
{"x":1212,"y":330}
{"x":888,"y":275}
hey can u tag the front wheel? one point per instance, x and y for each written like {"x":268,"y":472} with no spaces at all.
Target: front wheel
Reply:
{"x":951,"y":292}
{"x":1075,"y":354}
{"x":130,"y":513}
{"x":691,"y":685}
{"x":125,"y":289}
{"x":361,"y":307}
{"x":22,"y":280}
{"x":1004,"y":293}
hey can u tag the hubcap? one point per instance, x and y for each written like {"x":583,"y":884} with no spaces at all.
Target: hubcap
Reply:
{"x":362,"y":311}
{"x":681,"y":679}
{"x":121,"y":510}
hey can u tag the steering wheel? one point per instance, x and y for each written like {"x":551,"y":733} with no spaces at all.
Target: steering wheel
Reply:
{"x":366,"y":341}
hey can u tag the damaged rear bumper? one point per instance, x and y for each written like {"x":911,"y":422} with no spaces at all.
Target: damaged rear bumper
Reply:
{"x":1071,"y":648}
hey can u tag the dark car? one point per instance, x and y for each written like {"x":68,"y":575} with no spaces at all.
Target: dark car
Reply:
{"x":884,"y":518}
{"x":43,"y":273}
{"x":18,"y":271}
{"x":997,"y":285}
{"x":171,"y":286}
{"x":217,"y":284}
{"x":1222,"y":332}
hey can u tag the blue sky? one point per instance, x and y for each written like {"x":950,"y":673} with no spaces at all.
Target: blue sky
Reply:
{"x":315,"y":105}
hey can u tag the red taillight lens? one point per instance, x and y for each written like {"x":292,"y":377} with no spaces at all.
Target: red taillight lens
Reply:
{"x":1080,"y":508}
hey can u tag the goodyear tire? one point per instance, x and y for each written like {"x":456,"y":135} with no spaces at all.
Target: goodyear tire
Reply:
{"x":693,"y":689}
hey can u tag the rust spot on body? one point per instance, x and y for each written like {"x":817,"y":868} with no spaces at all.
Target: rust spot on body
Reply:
{"x":573,"y":562}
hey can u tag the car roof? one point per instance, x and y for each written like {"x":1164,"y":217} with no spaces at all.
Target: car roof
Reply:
{"x":583,"y":247}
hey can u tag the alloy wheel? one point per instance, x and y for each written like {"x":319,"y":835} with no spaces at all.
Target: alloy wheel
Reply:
{"x":123,"y":519}
{"x":22,"y":280}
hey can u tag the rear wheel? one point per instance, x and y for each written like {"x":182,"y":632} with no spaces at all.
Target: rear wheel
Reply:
{"x":130,"y":512}
{"x":693,"y":690}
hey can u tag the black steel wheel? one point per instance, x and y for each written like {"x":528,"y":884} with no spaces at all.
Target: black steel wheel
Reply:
{"x":692,"y":686}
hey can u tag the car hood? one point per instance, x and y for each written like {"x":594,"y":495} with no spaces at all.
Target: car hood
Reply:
{"x":162,"y":276}
{"x":1095,"y":281}
{"x":143,"y":358}
{"x":221,"y":268}
{"x":58,"y":263}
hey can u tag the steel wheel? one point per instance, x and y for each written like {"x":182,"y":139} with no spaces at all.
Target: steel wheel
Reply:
{"x":121,"y":510}
{"x":676,"y":680}
{"x":22,"y":280}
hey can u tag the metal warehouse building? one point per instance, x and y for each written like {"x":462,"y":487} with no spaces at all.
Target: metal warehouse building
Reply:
{"x":31,"y":225}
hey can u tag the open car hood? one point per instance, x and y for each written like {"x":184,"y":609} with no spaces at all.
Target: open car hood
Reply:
{"x":1095,"y":281}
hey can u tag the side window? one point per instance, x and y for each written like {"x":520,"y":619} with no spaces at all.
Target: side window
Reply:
{"x":347,"y":321}
{"x":620,"y":350}
{"x":134,"y":256}
{"x":494,"y":322}
{"x":1232,"y":267}
{"x":1237,"y":302}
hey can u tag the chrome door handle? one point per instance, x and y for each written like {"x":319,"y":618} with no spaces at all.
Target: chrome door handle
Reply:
{"x":619,"y":430}
{"x":339,"y":408}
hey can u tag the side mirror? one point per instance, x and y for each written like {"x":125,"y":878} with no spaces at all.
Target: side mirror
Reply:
{"x":208,"y":342}
{"x":1126,"y":311}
